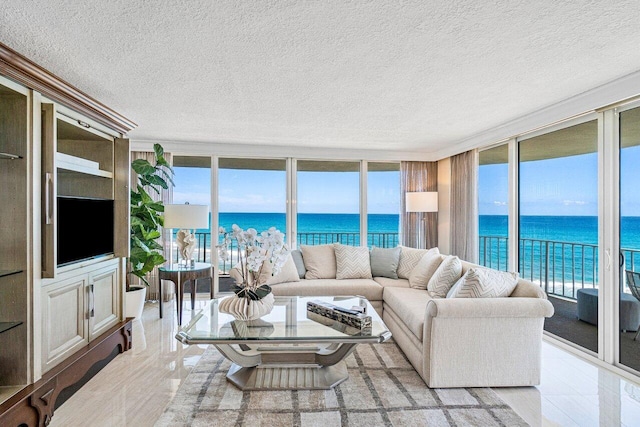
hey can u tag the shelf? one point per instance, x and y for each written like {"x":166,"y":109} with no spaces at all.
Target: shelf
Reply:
{"x":5,"y":326}
{"x":9,"y":272}
{"x":7,"y":391}
{"x":9,"y":156}
{"x":80,"y":165}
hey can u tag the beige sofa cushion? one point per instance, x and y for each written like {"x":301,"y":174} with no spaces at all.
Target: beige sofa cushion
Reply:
{"x":409,"y":258}
{"x":320,"y":261}
{"x":352,"y":262}
{"x":480,"y":282}
{"x":396,"y":283}
{"x":409,"y":305}
{"x":330,"y":287}
{"x":424,"y":270}
{"x":288,"y":272}
{"x":445,"y":276}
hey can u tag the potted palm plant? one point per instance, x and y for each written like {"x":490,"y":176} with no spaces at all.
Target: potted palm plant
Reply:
{"x":146,"y":215}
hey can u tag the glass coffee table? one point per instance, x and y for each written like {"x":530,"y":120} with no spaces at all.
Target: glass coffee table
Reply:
{"x":284,"y":349}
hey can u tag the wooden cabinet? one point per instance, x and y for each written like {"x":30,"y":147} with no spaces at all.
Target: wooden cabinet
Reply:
{"x":56,"y":321}
{"x":76,"y":308}
{"x":14,"y":237}
{"x":81,"y":161}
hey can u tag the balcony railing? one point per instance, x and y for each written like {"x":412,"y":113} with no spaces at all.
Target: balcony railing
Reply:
{"x":561,"y":268}
{"x":203,"y":249}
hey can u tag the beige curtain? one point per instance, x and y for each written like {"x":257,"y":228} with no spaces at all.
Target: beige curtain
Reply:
{"x":166,"y":196}
{"x":464,"y":205}
{"x":418,"y":176}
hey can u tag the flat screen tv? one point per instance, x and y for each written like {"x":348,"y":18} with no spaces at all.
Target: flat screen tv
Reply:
{"x":85,"y":229}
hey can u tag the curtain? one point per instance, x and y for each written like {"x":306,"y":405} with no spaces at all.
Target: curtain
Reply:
{"x":418,"y":176}
{"x":464,"y":206}
{"x":166,"y":196}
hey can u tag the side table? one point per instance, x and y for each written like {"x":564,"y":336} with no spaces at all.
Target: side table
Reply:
{"x":181,"y":274}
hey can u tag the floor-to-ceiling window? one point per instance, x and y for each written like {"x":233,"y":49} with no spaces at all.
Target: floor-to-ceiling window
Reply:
{"x":558,"y":242}
{"x":383,"y":204}
{"x":252,"y":193}
{"x":629,"y":301}
{"x":328,"y":202}
{"x":493,"y":207}
{"x":193,"y":185}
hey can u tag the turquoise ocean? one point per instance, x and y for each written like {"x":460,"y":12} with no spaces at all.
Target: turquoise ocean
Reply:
{"x":545,"y":241}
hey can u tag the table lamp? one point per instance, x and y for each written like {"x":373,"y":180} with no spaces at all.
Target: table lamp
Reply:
{"x":421,"y":201}
{"x":186,"y":218}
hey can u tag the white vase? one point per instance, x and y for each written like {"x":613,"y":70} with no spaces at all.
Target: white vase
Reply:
{"x":246,"y":309}
{"x":134,"y":302}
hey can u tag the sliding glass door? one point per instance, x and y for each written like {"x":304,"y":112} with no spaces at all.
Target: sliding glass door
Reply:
{"x":629,"y":299}
{"x":558,"y":223}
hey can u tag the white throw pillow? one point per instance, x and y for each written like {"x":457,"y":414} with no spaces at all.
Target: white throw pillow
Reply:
{"x":352,"y":262}
{"x":425,"y":268}
{"x":320,"y":261}
{"x":445,"y":276}
{"x":288,"y":273}
{"x":409,"y":258}
{"x":481,"y":282}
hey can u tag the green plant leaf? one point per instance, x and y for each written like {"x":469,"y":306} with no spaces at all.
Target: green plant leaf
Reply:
{"x":156,"y":180}
{"x":263,"y":291}
{"x":143,"y":167}
{"x":159,"y":151}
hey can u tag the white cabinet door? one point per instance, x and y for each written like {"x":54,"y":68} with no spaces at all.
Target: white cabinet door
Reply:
{"x":64,"y":326}
{"x":103,"y":300}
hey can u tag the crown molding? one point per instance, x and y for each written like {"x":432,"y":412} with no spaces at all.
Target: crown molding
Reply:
{"x":21,"y":69}
{"x":224,"y":149}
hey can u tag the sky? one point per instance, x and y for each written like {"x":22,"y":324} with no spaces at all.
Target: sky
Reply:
{"x":565,"y":186}
{"x":265,"y":191}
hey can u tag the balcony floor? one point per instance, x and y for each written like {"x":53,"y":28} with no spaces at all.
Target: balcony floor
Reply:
{"x":565,"y":324}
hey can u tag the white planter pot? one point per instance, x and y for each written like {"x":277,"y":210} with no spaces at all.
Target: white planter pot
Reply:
{"x":246,"y":309}
{"x":134,"y":302}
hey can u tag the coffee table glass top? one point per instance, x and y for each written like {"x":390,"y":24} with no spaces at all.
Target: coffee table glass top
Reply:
{"x":287,"y":322}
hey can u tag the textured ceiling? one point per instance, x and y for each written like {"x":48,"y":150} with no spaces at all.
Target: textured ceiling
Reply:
{"x":385,"y":75}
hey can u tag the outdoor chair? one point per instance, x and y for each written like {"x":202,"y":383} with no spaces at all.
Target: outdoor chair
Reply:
{"x":633,"y":281}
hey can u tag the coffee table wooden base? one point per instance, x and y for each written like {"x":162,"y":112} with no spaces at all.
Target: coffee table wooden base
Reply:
{"x":271,"y":377}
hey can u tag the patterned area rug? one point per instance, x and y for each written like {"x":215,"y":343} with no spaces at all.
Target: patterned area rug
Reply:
{"x":382,"y":390}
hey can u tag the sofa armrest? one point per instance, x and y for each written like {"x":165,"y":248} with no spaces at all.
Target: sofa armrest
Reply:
{"x":488,"y":308}
{"x":483,"y":342}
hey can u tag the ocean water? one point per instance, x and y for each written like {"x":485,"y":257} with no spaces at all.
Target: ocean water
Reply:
{"x":556,"y":249}
{"x":553,"y":249}
{"x":321,"y":228}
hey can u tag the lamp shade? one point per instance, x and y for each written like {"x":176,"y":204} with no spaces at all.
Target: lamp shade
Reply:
{"x":186,"y":216}
{"x":422,"y":201}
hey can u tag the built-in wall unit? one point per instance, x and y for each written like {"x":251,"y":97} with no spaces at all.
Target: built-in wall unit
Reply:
{"x":64,"y":186}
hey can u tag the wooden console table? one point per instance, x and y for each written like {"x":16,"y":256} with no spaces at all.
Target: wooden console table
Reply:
{"x":180,"y":274}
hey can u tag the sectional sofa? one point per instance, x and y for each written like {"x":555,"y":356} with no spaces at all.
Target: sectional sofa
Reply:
{"x":450,"y":341}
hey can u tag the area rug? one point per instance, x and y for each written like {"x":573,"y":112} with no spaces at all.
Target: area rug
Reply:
{"x":382,"y":390}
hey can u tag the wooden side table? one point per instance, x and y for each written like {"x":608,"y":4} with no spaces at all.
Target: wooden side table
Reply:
{"x":180,"y":274}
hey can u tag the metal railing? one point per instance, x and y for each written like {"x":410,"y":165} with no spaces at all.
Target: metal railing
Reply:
{"x":561,"y":268}
{"x":203,"y":249}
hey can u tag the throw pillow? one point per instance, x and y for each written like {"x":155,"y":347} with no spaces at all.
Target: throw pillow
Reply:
{"x":288,"y":273}
{"x":384,"y":262}
{"x":445,"y":276}
{"x":352,"y":262}
{"x":409,"y":258}
{"x":481,"y":282}
{"x":319,"y":261}
{"x":299,"y":262}
{"x":422,"y":272}
{"x":456,"y":286}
